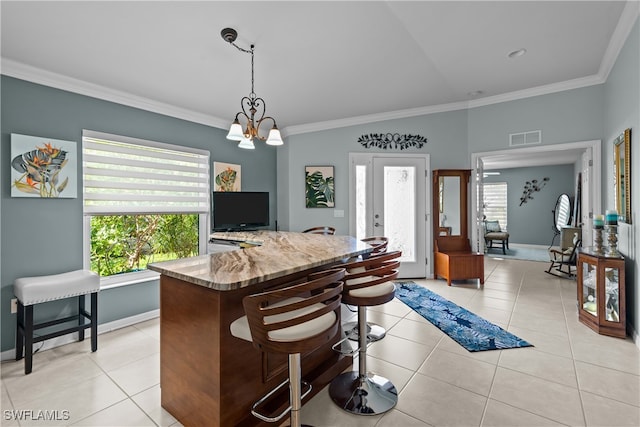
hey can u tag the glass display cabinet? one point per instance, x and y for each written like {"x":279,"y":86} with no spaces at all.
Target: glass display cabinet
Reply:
{"x":601,"y":299}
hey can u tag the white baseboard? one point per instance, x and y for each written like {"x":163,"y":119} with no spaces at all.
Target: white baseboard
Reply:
{"x":103,"y":328}
{"x":138,"y":318}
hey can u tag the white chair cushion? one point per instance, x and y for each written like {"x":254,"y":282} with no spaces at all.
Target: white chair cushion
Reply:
{"x":370,"y":291}
{"x":240,"y":327}
{"x":34,"y":290}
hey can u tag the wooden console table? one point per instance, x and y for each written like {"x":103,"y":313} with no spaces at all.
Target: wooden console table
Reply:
{"x":207,"y":376}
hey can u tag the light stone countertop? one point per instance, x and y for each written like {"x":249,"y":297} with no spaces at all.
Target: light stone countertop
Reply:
{"x":280,"y":253}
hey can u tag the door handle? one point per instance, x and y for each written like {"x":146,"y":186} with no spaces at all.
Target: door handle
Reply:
{"x":377,"y":224}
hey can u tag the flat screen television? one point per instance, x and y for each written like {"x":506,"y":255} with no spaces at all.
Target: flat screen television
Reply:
{"x":239,"y":210}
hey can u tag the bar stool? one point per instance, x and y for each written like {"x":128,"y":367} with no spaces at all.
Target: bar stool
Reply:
{"x":292,"y":320}
{"x":35,"y":290}
{"x":374,"y":332}
{"x":378,"y":243}
{"x":326,"y":230}
{"x":366,"y":283}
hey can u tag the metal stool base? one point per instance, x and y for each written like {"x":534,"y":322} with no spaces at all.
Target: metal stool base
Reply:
{"x":369,"y":395}
{"x":374,"y":332}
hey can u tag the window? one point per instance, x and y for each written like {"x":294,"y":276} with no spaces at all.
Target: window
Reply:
{"x":495,"y":202}
{"x":143,"y":202}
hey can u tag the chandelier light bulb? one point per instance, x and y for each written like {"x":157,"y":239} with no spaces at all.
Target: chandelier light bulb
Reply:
{"x":274,"y":137}
{"x":247,"y":144}
{"x":235,"y":131}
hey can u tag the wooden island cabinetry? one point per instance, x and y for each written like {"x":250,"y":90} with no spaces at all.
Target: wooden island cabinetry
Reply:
{"x":207,"y":376}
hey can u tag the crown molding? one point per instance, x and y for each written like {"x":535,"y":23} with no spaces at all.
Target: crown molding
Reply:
{"x":37,"y":75}
{"x":372,"y":118}
{"x":463,"y":105}
{"x":627,"y":19}
{"x":538,"y":90}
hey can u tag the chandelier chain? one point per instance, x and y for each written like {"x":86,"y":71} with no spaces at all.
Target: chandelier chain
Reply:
{"x":241,"y":49}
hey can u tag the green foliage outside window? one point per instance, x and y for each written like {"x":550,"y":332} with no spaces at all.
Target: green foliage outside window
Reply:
{"x":127,"y":243}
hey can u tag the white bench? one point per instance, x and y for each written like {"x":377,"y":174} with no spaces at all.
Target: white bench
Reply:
{"x":35,"y":290}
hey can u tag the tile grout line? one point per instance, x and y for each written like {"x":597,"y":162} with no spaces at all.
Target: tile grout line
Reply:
{"x":495,"y":372}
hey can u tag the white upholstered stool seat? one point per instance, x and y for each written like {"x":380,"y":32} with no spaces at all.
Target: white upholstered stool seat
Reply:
{"x":369,"y":292}
{"x":39,"y":289}
{"x":34,"y":290}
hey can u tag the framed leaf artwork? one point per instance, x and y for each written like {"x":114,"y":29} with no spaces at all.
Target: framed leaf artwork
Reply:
{"x":319,"y":187}
{"x":43,"y":167}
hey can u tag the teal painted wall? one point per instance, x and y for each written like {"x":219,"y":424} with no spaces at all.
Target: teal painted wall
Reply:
{"x":447,"y":143}
{"x":45,"y":236}
{"x":531,"y":222}
{"x":569,"y":116}
{"x":622,"y":111}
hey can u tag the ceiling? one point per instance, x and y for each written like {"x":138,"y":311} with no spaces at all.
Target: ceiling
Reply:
{"x":317,"y":64}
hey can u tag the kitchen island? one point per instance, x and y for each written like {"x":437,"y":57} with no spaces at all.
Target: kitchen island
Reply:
{"x":207,"y":376}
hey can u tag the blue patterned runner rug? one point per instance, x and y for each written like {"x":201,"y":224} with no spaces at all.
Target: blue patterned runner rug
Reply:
{"x":469,"y":330}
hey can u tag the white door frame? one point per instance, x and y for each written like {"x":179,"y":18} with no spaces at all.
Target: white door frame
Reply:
{"x":595,"y":179}
{"x":368,"y":159}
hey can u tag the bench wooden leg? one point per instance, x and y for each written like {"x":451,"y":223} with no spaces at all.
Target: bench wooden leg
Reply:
{"x":94,"y":321}
{"x":504,"y":252}
{"x":28,"y":339}
{"x":81,"y":317}
{"x":20,"y":331}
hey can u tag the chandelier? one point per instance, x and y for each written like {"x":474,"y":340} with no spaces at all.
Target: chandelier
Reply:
{"x":253,"y":109}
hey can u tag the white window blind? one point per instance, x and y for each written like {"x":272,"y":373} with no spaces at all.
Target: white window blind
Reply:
{"x":133,"y":176}
{"x":495,"y":202}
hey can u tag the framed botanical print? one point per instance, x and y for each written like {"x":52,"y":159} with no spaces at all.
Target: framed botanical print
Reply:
{"x":319,"y":187}
{"x":227,"y":177}
{"x":43,"y":167}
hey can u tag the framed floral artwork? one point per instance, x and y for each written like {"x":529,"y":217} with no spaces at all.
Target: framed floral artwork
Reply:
{"x":43,"y":167}
{"x":227,"y":177}
{"x":319,"y":187}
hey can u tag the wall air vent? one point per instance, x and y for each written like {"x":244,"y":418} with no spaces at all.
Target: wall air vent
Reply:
{"x":525,"y":138}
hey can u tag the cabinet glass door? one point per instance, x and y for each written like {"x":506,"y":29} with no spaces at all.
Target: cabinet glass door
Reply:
{"x":589,"y":294}
{"x":612,"y":301}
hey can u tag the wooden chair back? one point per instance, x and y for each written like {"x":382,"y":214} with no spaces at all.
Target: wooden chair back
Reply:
{"x":369,"y":272}
{"x":292,"y":306}
{"x":379,"y":244}
{"x":321,"y":230}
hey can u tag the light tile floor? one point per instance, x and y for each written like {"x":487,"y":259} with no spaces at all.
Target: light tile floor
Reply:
{"x":572,"y":376}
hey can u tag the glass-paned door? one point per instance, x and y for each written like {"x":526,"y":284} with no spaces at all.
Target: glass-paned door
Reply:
{"x":388,"y":197}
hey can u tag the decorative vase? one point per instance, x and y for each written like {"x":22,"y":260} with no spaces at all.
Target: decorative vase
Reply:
{"x":612,"y":240}
{"x":597,"y":241}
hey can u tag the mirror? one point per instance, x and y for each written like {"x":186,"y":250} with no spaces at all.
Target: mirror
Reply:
{"x":450,"y":193}
{"x":562,"y":212}
{"x":449,"y":189}
{"x":622,"y":175}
